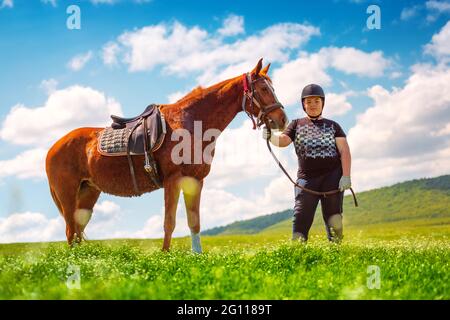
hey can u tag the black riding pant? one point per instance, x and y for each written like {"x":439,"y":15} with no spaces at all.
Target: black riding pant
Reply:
{"x":306,"y":203}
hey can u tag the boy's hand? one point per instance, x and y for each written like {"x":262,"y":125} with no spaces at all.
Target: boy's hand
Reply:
{"x":266,"y":134}
{"x":345,"y":183}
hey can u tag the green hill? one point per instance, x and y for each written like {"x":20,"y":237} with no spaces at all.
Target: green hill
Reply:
{"x":419,"y":202}
{"x":250,"y":226}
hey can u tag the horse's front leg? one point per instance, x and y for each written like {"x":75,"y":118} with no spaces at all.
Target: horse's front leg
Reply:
{"x":192,"y":189}
{"x":171,"y":195}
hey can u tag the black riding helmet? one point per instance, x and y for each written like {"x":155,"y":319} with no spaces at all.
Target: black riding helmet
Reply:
{"x":313,"y":90}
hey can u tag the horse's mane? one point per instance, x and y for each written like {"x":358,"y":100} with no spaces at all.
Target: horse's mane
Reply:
{"x":200,"y":92}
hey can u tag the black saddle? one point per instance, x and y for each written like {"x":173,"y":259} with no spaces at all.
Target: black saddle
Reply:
{"x":150,"y":121}
{"x":140,"y":135}
{"x":119,"y":121}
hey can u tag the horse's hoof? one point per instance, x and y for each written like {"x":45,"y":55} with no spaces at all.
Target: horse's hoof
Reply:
{"x":197,"y":250}
{"x":76,"y":241}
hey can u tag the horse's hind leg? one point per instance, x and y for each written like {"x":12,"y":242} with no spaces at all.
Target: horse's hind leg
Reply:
{"x":86,"y":198}
{"x":75,"y":201}
{"x":64,"y":192}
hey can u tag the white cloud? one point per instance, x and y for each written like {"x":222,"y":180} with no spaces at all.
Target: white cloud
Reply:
{"x":354,"y":61}
{"x":106,"y":210}
{"x":292,"y":76}
{"x":336,"y":105}
{"x":279,"y":193}
{"x":110,"y":52}
{"x":7,"y":4}
{"x":220,"y":207}
{"x":419,"y":107}
{"x":64,"y":110}
{"x":195,"y":50}
{"x":174,"y":97}
{"x":78,"y":62}
{"x":395,"y":75}
{"x":30,"y":227}
{"x":211,"y":76}
{"x":106,"y":218}
{"x":440,"y":43}
{"x":146,"y":44}
{"x":232,"y":25}
{"x":49,"y":86}
{"x":436,"y":9}
{"x":153,"y":228}
{"x":33,"y":227}
{"x":439,"y":6}
{"x":274,"y":43}
{"x":404,"y":136}
{"x":28,"y":164}
{"x":410,"y":12}
{"x":241,"y":155}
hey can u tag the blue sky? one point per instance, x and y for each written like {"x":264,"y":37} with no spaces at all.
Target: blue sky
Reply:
{"x":374,"y":80}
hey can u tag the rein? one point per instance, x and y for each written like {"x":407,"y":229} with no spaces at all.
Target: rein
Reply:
{"x":324,"y":194}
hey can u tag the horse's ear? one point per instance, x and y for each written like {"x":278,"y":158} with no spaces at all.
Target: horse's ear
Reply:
{"x":258,"y":67}
{"x":265,"y":70}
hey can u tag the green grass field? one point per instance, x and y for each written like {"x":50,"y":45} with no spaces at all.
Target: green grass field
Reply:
{"x":413,"y":260}
{"x":403,"y":230}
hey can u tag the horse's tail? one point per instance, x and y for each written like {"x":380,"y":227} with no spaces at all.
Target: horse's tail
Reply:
{"x":50,"y":178}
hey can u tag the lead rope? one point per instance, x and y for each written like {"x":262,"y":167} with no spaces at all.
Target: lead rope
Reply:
{"x":324,"y":194}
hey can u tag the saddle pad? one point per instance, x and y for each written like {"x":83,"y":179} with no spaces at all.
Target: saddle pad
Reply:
{"x":113,"y":142}
{"x":116,"y":140}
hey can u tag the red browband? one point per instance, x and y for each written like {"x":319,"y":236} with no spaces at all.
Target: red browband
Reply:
{"x":244,"y":79}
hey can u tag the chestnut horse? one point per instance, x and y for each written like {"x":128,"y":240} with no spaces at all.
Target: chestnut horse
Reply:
{"x":78,"y":173}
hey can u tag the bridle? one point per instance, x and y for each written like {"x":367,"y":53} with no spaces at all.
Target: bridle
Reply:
{"x":250,"y":95}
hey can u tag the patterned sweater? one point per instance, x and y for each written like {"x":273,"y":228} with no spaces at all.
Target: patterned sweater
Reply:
{"x":315,"y":145}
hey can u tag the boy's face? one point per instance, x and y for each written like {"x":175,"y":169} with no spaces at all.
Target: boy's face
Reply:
{"x":313,"y":106}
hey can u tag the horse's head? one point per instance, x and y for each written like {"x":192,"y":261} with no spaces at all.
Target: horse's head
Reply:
{"x":260,"y":99}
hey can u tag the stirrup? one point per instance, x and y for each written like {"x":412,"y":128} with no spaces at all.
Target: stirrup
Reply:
{"x":152,"y":170}
{"x":147,"y":165}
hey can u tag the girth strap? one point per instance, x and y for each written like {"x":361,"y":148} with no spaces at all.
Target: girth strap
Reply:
{"x":130,"y":160}
{"x":150,"y":166}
